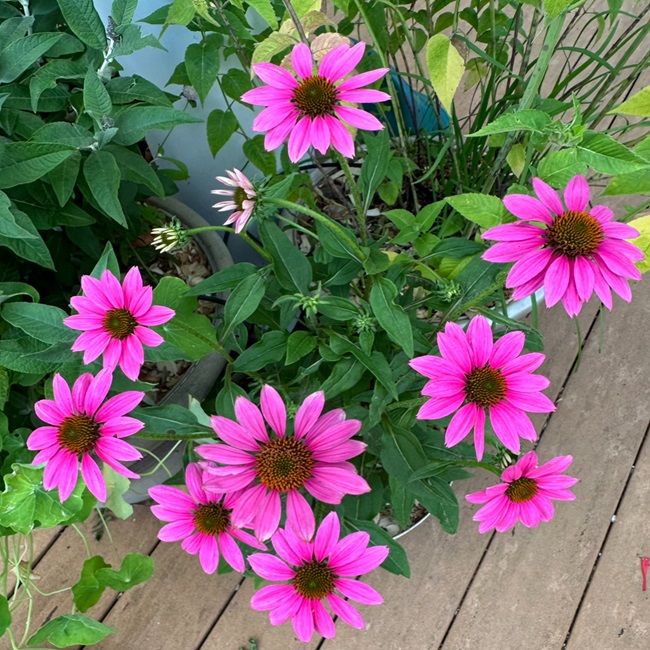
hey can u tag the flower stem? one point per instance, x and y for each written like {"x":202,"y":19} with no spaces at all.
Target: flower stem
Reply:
{"x":330,"y":224}
{"x":356,"y":196}
{"x":243,"y":235}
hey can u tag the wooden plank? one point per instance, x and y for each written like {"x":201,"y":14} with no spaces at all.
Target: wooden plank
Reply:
{"x":239,"y":623}
{"x":615,"y":612}
{"x":443,"y":565}
{"x":175,"y":608}
{"x":61,"y":565}
{"x":529,"y":585}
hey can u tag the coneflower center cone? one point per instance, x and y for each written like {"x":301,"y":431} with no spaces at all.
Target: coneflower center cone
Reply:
{"x":78,"y":434}
{"x":575,"y":234}
{"x":314,"y":580}
{"x":284,"y":464}
{"x":485,"y":386}
{"x":120,"y":323}
{"x":522,"y":490}
{"x":315,"y":97}
{"x":239,"y":196}
{"x":211,"y":518}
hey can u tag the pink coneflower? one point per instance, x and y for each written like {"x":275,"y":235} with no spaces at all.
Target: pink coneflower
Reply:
{"x":484,"y":376}
{"x":309,"y":110}
{"x":80,"y":425}
{"x":265,"y":466}
{"x":525,"y":494}
{"x":242,"y":201}
{"x":202,"y":520}
{"x":572,"y":254}
{"x":314,"y":569}
{"x":115,"y":319}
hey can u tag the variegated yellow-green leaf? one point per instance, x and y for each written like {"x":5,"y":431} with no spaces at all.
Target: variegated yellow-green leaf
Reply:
{"x":446,"y":68}
{"x":303,"y":7}
{"x":271,"y":46}
{"x":517,"y":158}
{"x":642,"y":224}
{"x":554,"y":8}
{"x":638,"y":104}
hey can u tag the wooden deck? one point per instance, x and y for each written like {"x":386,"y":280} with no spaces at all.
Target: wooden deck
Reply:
{"x":574,"y":582}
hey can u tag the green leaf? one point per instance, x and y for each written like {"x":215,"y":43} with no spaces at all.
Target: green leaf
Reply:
{"x":47,"y":76}
{"x":202,"y":63}
{"x":5,"y":614}
{"x":171,"y":419}
{"x":638,"y":104}
{"x":292,"y":269}
{"x":220,"y":127}
{"x":271,"y":348}
{"x":224,"y":280}
{"x":607,"y":156}
{"x":192,"y":333}
{"x":446,"y":67}
{"x":30,"y":248}
{"x":457,"y":248}
{"x":71,"y":629}
{"x":482,"y":209}
{"x":181,"y":12}
{"x":273,"y":44}
{"x":235,"y":83}
{"x":299,"y":345}
{"x":87,"y":591}
{"x":64,"y":178}
{"x":642,"y":224}
{"x":136,"y":569}
{"x":554,"y":8}
{"x":375,"y":165}
{"x":25,"y":503}
{"x":401,"y":501}
{"x":102,"y":173}
{"x":135,"y":122}
{"x":390,"y":316}
{"x":124,"y":90}
{"x":42,"y":322}
{"x":11,"y":289}
{"x":559,"y":167}
{"x":25,"y":162}
{"x":375,"y":363}
{"x":340,"y":309}
{"x":123,"y":11}
{"x":345,"y":375}
{"x":397,"y":561}
{"x":256,"y":153}
{"x":117,"y":485}
{"x":84,"y":21}
{"x":242,"y":302}
{"x":526,"y":120}
{"x":265,"y":9}
{"x":8,"y":226}
{"x":97,"y":101}
{"x":21,"y":54}
{"x":108,"y":260}
{"x":134,"y":168}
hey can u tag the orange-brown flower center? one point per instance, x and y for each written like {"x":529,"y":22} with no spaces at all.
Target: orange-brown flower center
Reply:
{"x":78,"y":434}
{"x":522,"y":490}
{"x":575,"y":234}
{"x":315,"y":96}
{"x":284,"y":464}
{"x":485,"y":386}
{"x":211,"y":518}
{"x":119,"y":323}
{"x":314,"y":580}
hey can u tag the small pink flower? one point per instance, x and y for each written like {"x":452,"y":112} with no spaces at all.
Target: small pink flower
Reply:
{"x":314,"y":569}
{"x":310,"y":110}
{"x":242,"y":201}
{"x":525,"y":495}
{"x":115,"y":321}
{"x":264,"y":467}
{"x":202,"y":520}
{"x":476,"y":375}
{"x":571,"y":254}
{"x":81,"y":425}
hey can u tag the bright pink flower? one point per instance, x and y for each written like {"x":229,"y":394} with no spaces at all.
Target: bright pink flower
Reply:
{"x":314,"y":569}
{"x":525,"y":494}
{"x":570,"y":252}
{"x":242,"y":198}
{"x":310,"y":110}
{"x":81,"y":425}
{"x":265,"y":466}
{"x":202,"y":520}
{"x":115,"y":320}
{"x":483,"y":376}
